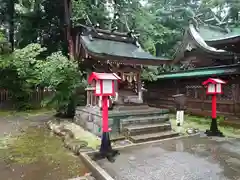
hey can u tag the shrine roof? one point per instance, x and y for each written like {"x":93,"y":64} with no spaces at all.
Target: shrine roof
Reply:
{"x":213,"y":33}
{"x":119,"y":47}
{"x":202,"y":72}
{"x":200,"y":41}
{"x":115,"y":48}
{"x":206,"y":40}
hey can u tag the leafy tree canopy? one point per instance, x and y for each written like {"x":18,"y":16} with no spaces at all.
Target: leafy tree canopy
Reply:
{"x":24,"y":71}
{"x":29,"y":25}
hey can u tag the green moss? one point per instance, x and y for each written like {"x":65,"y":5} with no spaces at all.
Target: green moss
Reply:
{"x":5,"y":113}
{"x":35,"y":112}
{"x":92,"y":141}
{"x":37,"y":146}
{"x":4,"y":141}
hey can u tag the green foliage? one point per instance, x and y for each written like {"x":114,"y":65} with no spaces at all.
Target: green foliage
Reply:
{"x":159,"y":23}
{"x":2,"y":37}
{"x":19,"y":74}
{"x":22,"y":72}
{"x":151,"y":73}
{"x":26,"y":63}
{"x":63,"y":76}
{"x":4,"y":45}
{"x":152,"y":33}
{"x":78,"y":12}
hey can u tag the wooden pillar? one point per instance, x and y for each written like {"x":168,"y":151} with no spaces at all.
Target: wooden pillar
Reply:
{"x":88,"y":98}
{"x":91,"y":98}
{"x":116,"y":90}
{"x":100,"y":101}
{"x":140,"y":93}
{"x":235,"y":96}
{"x":202,"y":97}
{"x":177,"y":85}
{"x":237,"y":92}
{"x":95,"y":101}
{"x":237,"y":99}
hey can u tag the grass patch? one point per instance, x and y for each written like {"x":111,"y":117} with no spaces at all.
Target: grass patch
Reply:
{"x":37,"y":146}
{"x":6,"y":113}
{"x":203,"y":124}
{"x":35,"y":112}
{"x":34,"y":145}
{"x":5,"y":141}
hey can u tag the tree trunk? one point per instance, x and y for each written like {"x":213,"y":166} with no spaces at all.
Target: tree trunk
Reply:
{"x":11,"y":13}
{"x":67,"y":15}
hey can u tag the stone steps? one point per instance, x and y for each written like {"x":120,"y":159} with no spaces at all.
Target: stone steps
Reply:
{"x":133,"y":130}
{"x":143,"y":120}
{"x":139,"y":113}
{"x":147,"y":128}
{"x":131,"y":107}
{"x":153,"y":136}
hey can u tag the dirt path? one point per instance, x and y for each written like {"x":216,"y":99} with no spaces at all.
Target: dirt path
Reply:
{"x":29,"y":151}
{"x":11,"y":125}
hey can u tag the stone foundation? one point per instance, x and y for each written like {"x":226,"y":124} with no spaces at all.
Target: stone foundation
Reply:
{"x":90,"y":118}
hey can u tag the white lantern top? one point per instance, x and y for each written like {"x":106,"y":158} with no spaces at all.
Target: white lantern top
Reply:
{"x":104,"y":83}
{"x":214,"y":85}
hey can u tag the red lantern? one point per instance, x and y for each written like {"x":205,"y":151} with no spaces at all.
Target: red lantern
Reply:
{"x":104,"y":84}
{"x":214,"y":87}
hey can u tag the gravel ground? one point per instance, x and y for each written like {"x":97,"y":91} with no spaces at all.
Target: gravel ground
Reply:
{"x":192,"y":158}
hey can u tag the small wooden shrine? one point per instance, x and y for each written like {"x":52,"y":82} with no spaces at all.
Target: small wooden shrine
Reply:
{"x":206,"y":51}
{"x":105,"y":51}
{"x":120,"y":53}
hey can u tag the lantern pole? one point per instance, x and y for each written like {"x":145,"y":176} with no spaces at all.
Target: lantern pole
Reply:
{"x":105,"y":113}
{"x":214,"y":126}
{"x":106,"y":150}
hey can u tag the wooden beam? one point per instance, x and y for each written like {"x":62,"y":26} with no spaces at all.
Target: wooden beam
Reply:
{"x":113,"y":38}
{"x":112,"y":33}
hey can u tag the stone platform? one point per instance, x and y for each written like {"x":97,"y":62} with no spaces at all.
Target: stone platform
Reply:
{"x":133,"y":121}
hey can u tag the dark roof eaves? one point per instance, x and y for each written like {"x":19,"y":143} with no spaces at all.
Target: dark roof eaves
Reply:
{"x":236,"y":71}
{"x":205,"y":68}
{"x":226,"y":40}
{"x":228,"y":35}
{"x":131,"y":58}
{"x":226,"y":53}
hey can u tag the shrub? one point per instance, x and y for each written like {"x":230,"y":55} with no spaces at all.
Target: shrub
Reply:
{"x":63,"y":76}
{"x":20,"y":74}
{"x":23,"y":71}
